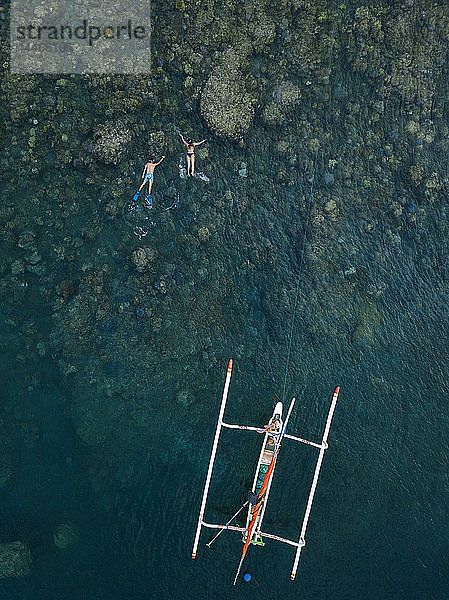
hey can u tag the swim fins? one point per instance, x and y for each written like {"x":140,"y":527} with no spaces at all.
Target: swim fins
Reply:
{"x":136,"y":195}
{"x":149,"y":201}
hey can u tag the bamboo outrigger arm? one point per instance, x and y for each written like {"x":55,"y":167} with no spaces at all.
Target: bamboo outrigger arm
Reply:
{"x":323,"y":447}
{"x":212,"y":457}
{"x":245,"y":427}
{"x":243,"y":530}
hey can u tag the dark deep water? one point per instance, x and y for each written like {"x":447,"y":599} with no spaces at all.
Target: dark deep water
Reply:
{"x":93,"y":431}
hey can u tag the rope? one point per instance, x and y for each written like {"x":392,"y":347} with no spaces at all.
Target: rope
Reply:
{"x":306,"y":229}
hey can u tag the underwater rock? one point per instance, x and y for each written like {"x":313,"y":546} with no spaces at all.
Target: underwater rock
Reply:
{"x":204,"y":234}
{"x":15,"y":559}
{"x":33,"y":258}
{"x":161,"y":286}
{"x":42,"y":350}
{"x":185,"y":397}
{"x":376,"y":289}
{"x":272,"y":114}
{"x":143,"y":257}
{"x":260,"y":29}
{"x":331,"y":209}
{"x":27,"y":241}
{"x":111,"y":208}
{"x":416,"y":173}
{"x":283,"y":147}
{"x":226,"y":104}
{"x":17,"y":267}
{"x":412,"y":127}
{"x":433,"y":183}
{"x":67,"y":288}
{"x":369,"y":321}
{"x":396,"y":209}
{"x":65,"y":535}
{"x":328,"y":178}
{"x":111,"y":141}
{"x":287,"y":95}
{"x":202,"y":152}
{"x":156,"y":143}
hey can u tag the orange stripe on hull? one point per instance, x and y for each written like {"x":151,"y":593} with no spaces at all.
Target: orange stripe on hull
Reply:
{"x":258,"y":506}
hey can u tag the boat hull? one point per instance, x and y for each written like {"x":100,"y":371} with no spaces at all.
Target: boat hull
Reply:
{"x":272,"y":431}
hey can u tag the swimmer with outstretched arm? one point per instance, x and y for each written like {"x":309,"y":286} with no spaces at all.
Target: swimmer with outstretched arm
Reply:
{"x":147,"y":176}
{"x":191,"y":154}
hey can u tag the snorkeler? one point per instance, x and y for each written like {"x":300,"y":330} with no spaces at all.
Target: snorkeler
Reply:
{"x":191,"y":154}
{"x":147,"y":175}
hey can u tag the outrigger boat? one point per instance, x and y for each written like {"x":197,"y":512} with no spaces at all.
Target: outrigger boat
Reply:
{"x":257,"y":498}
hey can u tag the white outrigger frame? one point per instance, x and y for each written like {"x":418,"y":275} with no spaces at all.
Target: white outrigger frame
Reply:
{"x":299,"y":545}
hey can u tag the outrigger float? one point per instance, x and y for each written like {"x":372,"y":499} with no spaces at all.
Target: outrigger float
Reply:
{"x":257,"y":498}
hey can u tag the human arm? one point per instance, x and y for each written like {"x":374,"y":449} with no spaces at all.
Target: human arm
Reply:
{"x":158,"y":163}
{"x":198,"y":143}
{"x":182,"y":137}
{"x":144,"y":171}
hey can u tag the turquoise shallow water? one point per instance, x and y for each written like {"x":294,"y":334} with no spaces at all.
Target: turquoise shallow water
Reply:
{"x":93,"y":431}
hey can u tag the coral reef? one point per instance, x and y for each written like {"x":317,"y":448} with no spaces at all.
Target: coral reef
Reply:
{"x":111,"y":141}
{"x":368,"y":321}
{"x":226,"y":103}
{"x":143,"y":258}
{"x":404,"y":51}
{"x":65,"y":535}
{"x":15,"y":559}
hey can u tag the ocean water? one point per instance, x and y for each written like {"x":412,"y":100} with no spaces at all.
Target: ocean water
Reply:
{"x":111,"y":381}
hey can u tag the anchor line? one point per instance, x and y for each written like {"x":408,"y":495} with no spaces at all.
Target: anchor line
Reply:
{"x":306,"y":227}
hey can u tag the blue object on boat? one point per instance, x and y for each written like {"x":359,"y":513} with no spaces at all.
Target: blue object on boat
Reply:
{"x":247,"y":576}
